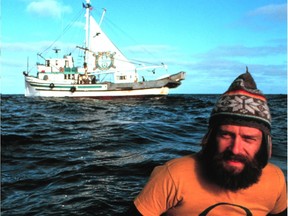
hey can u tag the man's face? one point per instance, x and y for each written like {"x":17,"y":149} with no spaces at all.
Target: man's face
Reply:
{"x":241,"y":142}
{"x":230,"y":159}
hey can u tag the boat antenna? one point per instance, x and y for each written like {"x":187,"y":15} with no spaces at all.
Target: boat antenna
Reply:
{"x":56,"y":51}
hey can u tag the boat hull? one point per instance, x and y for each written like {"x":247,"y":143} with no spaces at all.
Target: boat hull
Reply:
{"x":33,"y":92}
{"x":35,"y":87}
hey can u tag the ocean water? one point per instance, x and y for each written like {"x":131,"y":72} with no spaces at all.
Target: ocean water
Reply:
{"x":92,"y":157}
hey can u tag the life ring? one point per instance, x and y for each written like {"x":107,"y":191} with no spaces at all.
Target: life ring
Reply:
{"x":61,"y":69}
{"x":72,"y":89}
{"x":51,"y":85}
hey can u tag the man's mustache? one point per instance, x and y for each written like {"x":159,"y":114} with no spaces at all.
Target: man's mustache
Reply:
{"x":229,"y":155}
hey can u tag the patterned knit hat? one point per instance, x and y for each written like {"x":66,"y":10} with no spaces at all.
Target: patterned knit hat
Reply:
{"x":244,"y":105}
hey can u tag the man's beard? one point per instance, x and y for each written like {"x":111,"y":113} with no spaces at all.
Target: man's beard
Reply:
{"x":213,"y":169}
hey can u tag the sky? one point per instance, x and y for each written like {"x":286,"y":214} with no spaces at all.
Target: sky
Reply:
{"x":211,"y":40}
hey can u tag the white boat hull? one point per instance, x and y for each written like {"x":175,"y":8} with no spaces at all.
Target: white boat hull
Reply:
{"x":35,"y":87}
{"x":32,"y":92}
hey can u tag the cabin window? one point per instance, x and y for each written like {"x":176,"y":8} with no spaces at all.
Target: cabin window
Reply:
{"x":48,"y":63}
{"x":121,"y":77}
{"x":69,"y":76}
{"x":66,"y":63}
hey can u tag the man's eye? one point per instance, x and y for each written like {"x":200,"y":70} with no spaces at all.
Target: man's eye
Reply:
{"x":225,"y":135}
{"x":249,"y":139}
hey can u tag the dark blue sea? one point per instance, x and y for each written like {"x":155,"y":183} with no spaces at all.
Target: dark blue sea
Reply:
{"x":92,"y":157}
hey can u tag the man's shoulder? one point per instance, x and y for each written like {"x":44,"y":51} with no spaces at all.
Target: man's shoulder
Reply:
{"x":273,"y":170}
{"x":182,"y":163}
{"x":272,"y":176}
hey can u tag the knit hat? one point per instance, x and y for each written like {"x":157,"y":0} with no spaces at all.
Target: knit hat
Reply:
{"x":244,"y":105}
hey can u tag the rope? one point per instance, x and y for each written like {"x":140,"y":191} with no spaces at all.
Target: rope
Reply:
{"x":64,"y":31}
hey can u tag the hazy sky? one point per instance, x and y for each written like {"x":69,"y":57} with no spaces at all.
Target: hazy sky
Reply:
{"x":213,"y":41}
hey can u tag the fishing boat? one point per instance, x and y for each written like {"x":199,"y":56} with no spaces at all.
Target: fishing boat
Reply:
{"x":104,"y":72}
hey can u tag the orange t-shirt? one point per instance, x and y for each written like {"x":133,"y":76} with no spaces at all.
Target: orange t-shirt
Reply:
{"x":177,"y":189}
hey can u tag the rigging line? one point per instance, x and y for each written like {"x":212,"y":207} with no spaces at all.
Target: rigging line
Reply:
{"x":127,"y":35}
{"x":64,"y":31}
{"x":143,"y":62}
{"x":112,"y":25}
{"x":137,"y":62}
{"x":127,"y":61}
{"x":96,"y":12}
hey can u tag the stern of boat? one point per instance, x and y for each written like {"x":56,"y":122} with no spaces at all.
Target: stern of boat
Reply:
{"x":175,"y":80}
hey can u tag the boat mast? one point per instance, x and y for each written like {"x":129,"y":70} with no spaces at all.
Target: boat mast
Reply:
{"x":87,"y":31}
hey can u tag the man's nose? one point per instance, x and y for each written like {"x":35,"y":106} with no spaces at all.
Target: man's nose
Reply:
{"x":236,"y":145}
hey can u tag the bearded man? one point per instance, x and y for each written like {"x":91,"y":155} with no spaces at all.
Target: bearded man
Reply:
{"x":231,"y":175}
